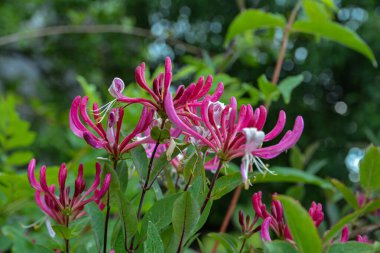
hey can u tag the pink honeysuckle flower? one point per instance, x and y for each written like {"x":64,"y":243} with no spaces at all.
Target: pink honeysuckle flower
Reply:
{"x":185,"y":101}
{"x":96,"y":136}
{"x":231,"y":134}
{"x":345,"y":234}
{"x":275,"y":218}
{"x":316,"y":213}
{"x":65,"y":208}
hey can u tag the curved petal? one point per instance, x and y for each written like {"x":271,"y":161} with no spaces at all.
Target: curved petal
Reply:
{"x":32,"y":179}
{"x":264,"y":232}
{"x":218,"y":92}
{"x":278,"y":128}
{"x":262,"y":118}
{"x":289,"y":140}
{"x":93,"y":141}
{"x":172,"y":115}
{"x":75,"y":124}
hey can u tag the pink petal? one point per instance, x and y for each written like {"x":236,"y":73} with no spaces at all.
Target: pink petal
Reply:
{"x":32,"y":179}
{"x":262,"y":118}
{"x":75,"y":124}
{"x":218,"y":92}
{"x":278,"y":128}
{"x":264,"y":232}
{"x":172,"y":115}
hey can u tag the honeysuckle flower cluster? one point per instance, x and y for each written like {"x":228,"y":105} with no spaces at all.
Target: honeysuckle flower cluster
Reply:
{"x":67,"y":206}
{"x":109,"y":138}
{"x":274,"y":220}
{"x":224,"y":131}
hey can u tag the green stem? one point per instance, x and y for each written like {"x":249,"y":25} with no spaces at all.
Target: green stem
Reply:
{"x":146,"y":185}
{"x":211,"y":186}
{"x":242,"y":246}
{"x":67,"y":243}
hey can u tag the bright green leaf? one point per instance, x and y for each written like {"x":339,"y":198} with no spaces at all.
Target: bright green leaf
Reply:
{"x":287,"y":85}
{"x":62,"y":231}
{"x":252,"y":20}
{"x":279,"y":247}
{"x":348,"y":195}
{"x":335,"y":32}
{"x":316,"y":11}
{"x":269,"y":90}
{"x":19,"y":158}
{"x":350,"y":247}
{"x":370,"y":170}
{"x":228,"y":241}
{"x":301,"y":226}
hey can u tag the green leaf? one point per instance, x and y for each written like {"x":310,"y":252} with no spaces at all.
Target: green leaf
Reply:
{"x":336,"y":32}
{"x":287,"y":85}
{"x":122,"y":173}
{"x":279,"y":247}
{"x":348,"y":195}
{"x":290,"y":175}
{"x":351,"y":247}
{"x":301,"y":226}
{"x":140,"y":160}
{"x":97,"y":220}
{"x":226,"y":184}
{"x":334,"y":230}
{"x":297,"y":159}
{"x":153,"y":241}
{"x":162,"y":218}
{"x":268,"y":89}
{"x":370,"y":170}
{"x":89,"y":90}
{"x":185,"y":215}
{"x":62,"y":231}
{"x":19,"y":158}
{"x":228,"y":241}
{"x":252,"y":20}
{"x":184,"y":72}
{"x":330,"y":4}
{"x":23,"y":243}
{"x":316,"y":11}
{"x":126,"y":210}
{"x":297,"y":192}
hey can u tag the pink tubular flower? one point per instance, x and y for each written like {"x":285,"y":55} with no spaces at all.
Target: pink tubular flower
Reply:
{"x":344,"y":236}
{"x":275,"y":218}
{"x":231,"y":134}
{"x":185,"y":99}
{"x":66,"y":208}
{"x":96,"y":136}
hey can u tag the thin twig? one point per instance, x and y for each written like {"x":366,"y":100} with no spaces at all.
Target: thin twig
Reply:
{"x":89,"y":29}
{"x":211,"y":186}
{"x":67,"y":243}
{"x":146,"y":187}
{"x":242,"y":246}
{"x":284,"y":43}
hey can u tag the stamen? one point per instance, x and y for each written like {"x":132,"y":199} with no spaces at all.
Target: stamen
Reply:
{"x":263,"y":166}
{"x":35,"y":224}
